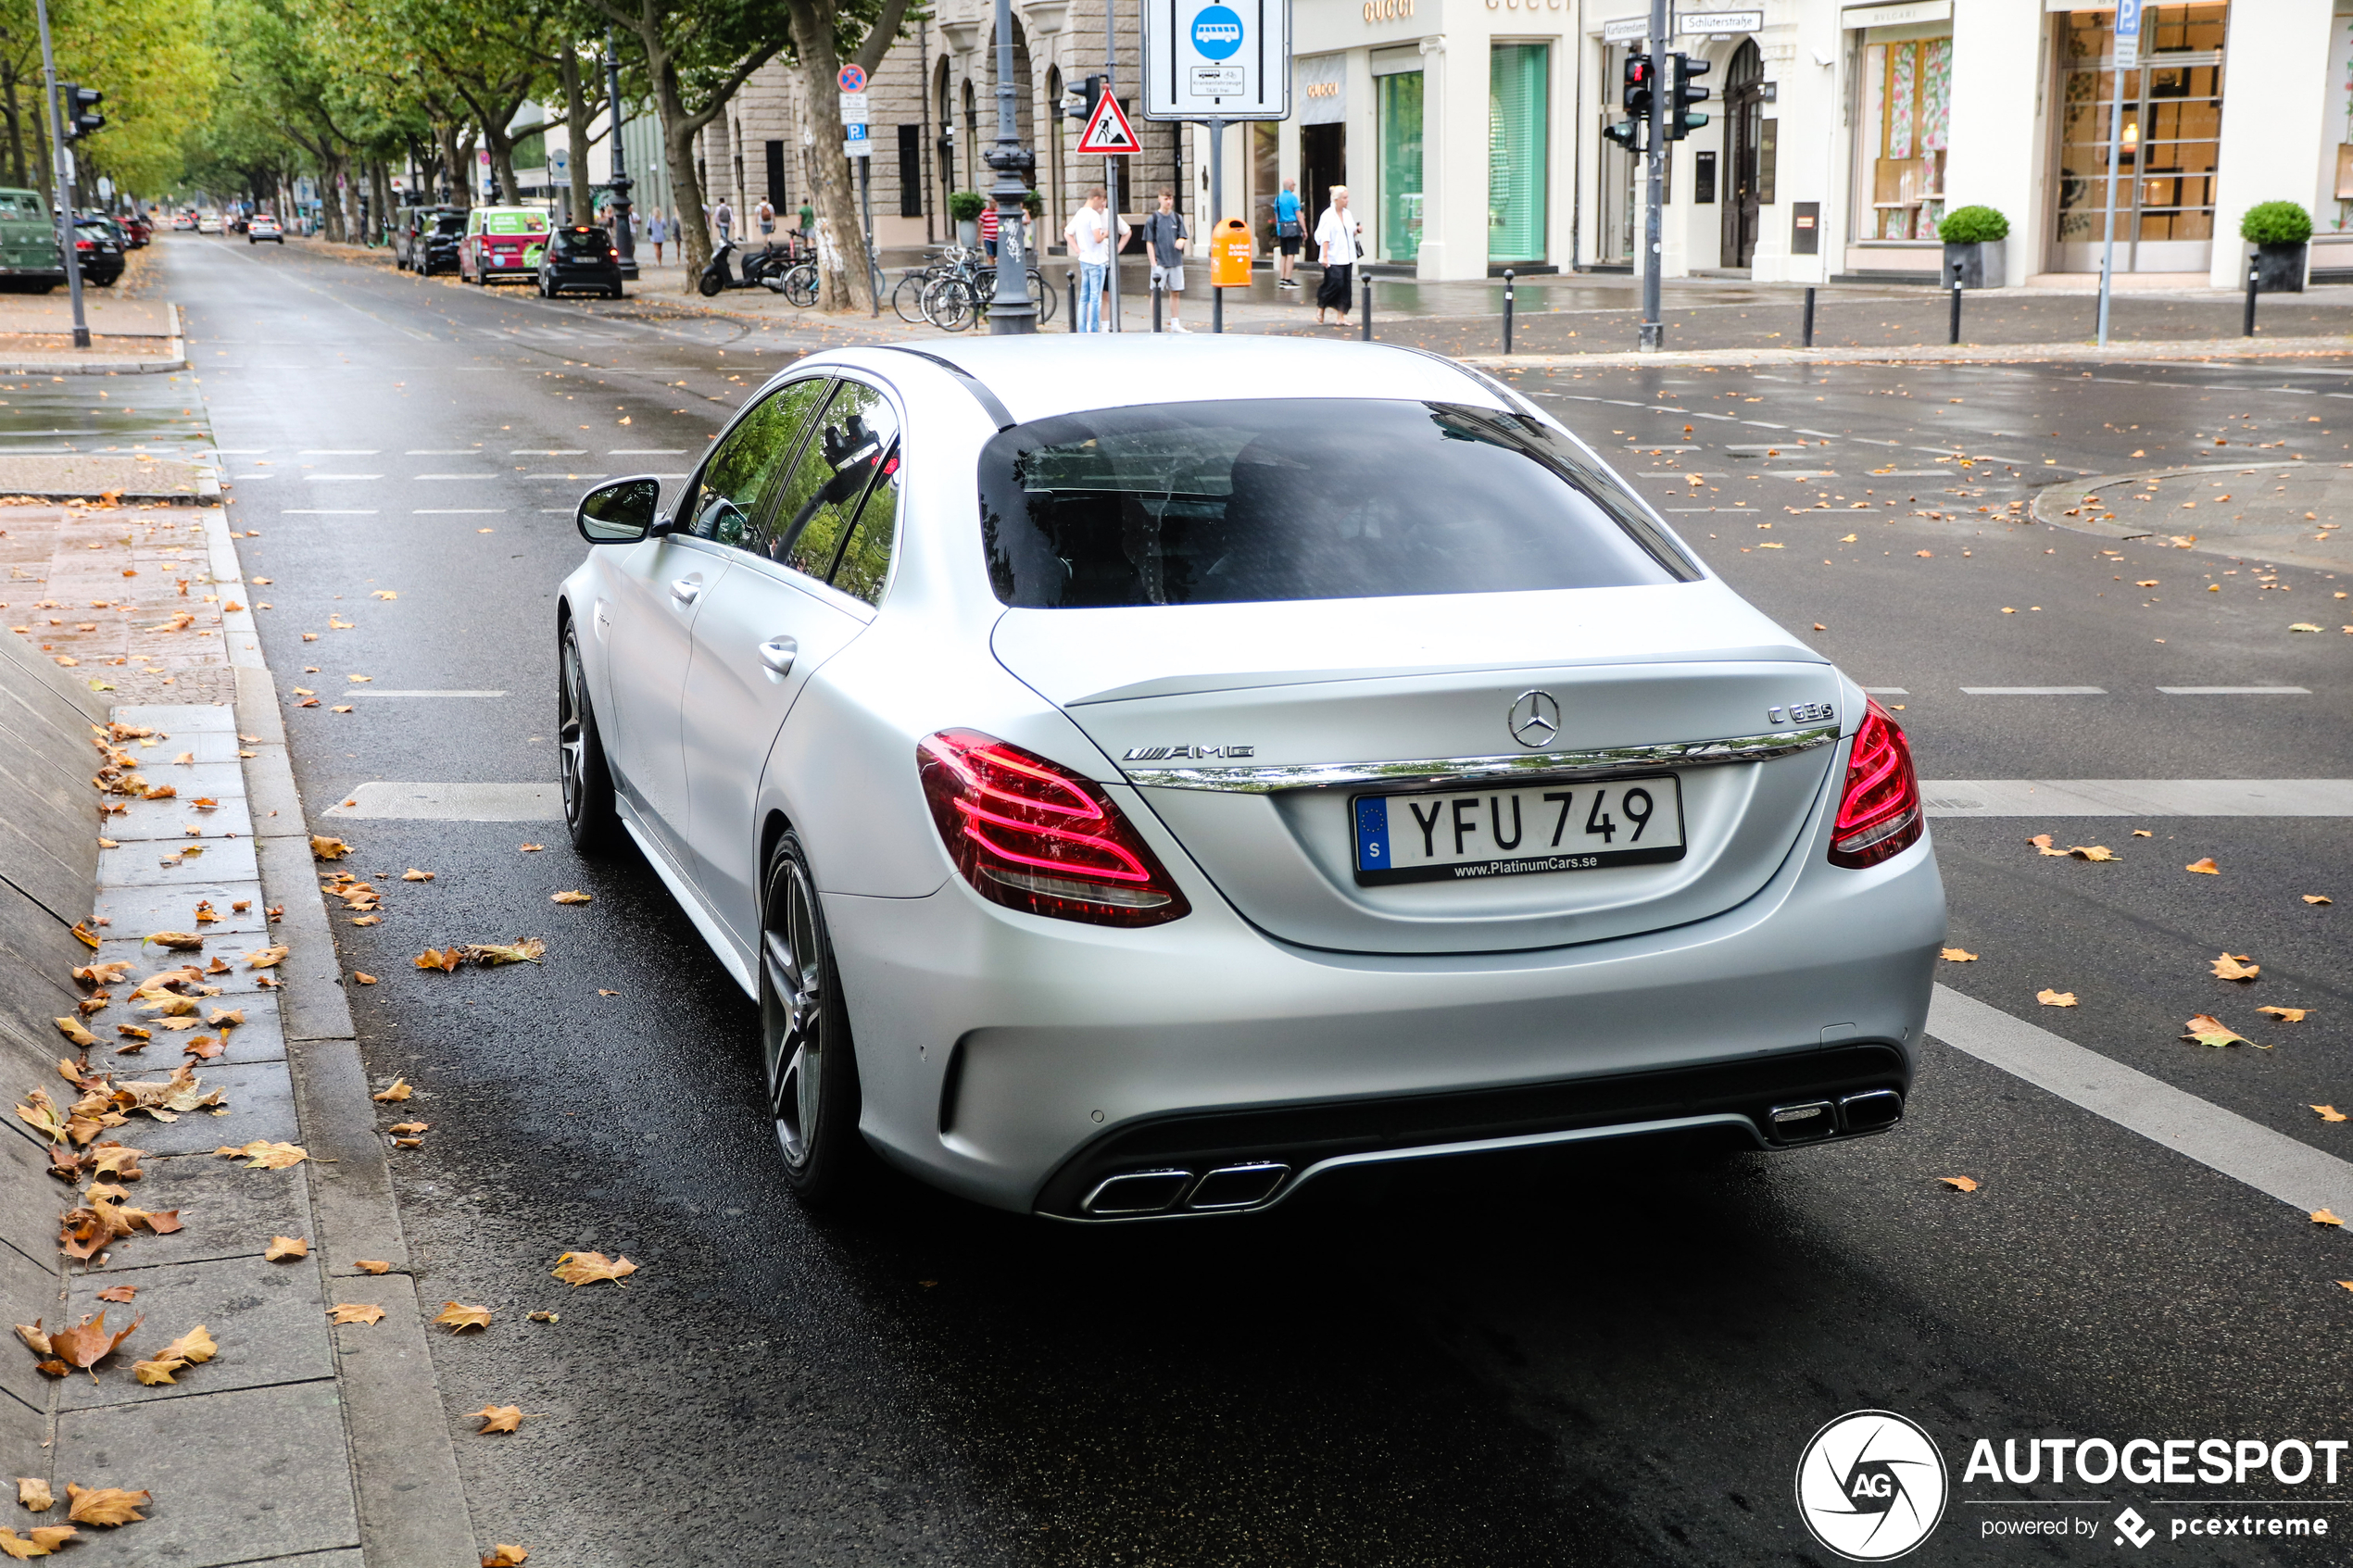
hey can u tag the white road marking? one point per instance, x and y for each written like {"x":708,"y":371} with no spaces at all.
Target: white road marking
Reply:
{"x":454,"y":802}
{"x":2036,"y":691}
{"x":460,"y":512}
{"x":414,"y":476}
{"x":373,"y":691}
{"x":338,"y":452}
{"x":308,"y":512}
{"x":646,"y":451}
{"x":315,"y":477}
{"x":1885,"y":691}
{"x":2138,"y":797}
{"x":2235,"y":691}
{"x":2270,"y":1162}
{"x":548,"y":452}
{"x":442,"y":452}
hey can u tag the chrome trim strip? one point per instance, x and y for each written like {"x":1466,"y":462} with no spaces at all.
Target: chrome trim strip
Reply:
{"x":1265,"y":778}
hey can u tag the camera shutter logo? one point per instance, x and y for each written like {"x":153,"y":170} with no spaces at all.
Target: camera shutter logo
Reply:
{"x":1872,"y":1485}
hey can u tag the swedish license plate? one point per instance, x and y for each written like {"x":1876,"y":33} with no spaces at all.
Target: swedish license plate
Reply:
{"x":1466,"y":835}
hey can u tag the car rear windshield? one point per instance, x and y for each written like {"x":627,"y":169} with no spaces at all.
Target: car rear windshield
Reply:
{"x":575,"y":242}
{"x":450,"y":223}
{"x":1296,"y":498}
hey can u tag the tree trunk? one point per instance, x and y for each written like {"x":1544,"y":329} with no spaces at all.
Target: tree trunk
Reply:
{"x":845,"y":280}
{"x":380,"y":183}
{"x":453,"y":164}
{"x":678,"y":147}
{"x":583,"y":194}
{"x":15,"y":131}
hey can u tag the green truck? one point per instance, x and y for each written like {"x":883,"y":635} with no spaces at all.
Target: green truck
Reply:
{"x":29,"y":261}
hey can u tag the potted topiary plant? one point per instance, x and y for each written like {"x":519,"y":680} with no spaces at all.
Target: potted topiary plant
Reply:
{"x":965,"y":207}
{"x":2280,"y":231}
{"x":1974,"y":251}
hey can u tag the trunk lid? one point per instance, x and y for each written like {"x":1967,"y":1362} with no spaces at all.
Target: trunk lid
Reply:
{"x":1340,"y":700}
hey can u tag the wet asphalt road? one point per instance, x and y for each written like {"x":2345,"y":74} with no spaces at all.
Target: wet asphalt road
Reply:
{"x":1597,"y":1360}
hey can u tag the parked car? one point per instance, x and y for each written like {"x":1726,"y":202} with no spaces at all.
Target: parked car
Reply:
{"x":580,"y":256}
{"x":208,"y":223}
{"x":98,"y":246}
{"x":1125,"y":804}
{"x":29,"y":261}
{"x":185,"y":223}
{"x":140,"y":230}
{"x":425,"y":239}
{"x":502,"y":241}
{"x":262,"y":226}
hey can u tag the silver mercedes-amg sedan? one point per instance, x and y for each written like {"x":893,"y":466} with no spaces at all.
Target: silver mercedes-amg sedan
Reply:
{"x":1138,"y":777}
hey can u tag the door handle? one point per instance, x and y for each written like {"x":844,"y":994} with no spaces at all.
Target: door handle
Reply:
{"x":777,"y":653}
{"x":686,"y":590}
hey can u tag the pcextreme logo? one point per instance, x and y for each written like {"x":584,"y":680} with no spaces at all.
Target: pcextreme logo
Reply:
{"x":1872,"y":1485}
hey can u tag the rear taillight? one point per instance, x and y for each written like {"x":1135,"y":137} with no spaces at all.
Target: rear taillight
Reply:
{"x":1879,"y":811}
{"x":1038,"y":839}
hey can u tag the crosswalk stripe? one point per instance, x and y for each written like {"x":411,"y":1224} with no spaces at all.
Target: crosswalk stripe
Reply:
{"x":2138,"y":797}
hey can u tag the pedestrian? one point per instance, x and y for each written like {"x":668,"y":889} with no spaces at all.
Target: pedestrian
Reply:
{"x":1337,"y":236}
{"x":723,"y":217}
{"x":1165,"y":242}
{"x":1088,"y":234}
{"x":657,"y":231}
{"x":1286,"y":235}
{"x":989,"y":230}
{"x":808,"y":220}
{"x":767,"y":214}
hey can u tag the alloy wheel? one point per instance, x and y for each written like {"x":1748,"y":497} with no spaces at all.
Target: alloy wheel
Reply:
{"x":572,"y":732}
{"x":792,"y":1010}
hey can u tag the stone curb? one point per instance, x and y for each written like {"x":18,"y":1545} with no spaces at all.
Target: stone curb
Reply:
{"x":411,"y":1499}
{"x":1966,"y":354}
{"x":2055,"y":515}
{"x":23,"y":366}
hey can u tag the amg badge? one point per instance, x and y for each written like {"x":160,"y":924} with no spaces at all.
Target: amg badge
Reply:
{"x":1155,"y":753}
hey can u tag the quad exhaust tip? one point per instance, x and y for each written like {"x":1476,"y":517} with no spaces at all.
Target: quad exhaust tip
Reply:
{"x":1157,"y":1192}
{"x":1808,"y":1120}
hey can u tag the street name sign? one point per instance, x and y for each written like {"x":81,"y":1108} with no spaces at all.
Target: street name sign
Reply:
{"x":1223,"y":59}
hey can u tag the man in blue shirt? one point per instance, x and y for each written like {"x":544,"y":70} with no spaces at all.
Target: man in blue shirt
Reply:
{"x":1287,"y":234}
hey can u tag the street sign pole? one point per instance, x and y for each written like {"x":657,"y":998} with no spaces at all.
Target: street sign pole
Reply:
{"x":1216,"y":215}
{"x":2127,"y":61}
{"x":859,"y":144}
{"x":64,"y":172}
{"x":1110,"y":167}
{"x":1654,"y":330}
{"x":1216,"y":62}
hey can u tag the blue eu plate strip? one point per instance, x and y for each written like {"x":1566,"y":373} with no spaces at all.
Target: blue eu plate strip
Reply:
{"x":1372,"y":833}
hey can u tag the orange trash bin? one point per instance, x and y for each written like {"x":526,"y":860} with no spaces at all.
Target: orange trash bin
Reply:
{"x":1229,"y":255}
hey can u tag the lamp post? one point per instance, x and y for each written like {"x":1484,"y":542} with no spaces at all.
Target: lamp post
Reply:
{"x":1012,"y":310}
{"x":623,"y":241}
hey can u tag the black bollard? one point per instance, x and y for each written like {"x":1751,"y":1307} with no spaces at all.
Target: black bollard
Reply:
{"x":1806,"y":338}
{"x":1507,"y":310}
{"x":1956,"y":336}
{"x":1070,"y":288}
{"x":1156,"y":304}
{"x":1364,"y":322}
{"x":2248,"y":330}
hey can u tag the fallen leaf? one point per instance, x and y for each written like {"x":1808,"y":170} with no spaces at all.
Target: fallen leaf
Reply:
{"x":540,"y":1317}
{"x":261,"y":1156}
{"x":227,"y":1018}
{"x":2318,"y":898}
{"x":446,"y":960}
{"x":325,"y":848}
{"x":2285,"y":1015}
{"x":413,"y":874}
{"x":532,"y":849}
{"x":2235,"y":967}
{"x":159,"y":1371}
{"x":372,"y":1266}
{"x":362,"y":978}
{"x":505,"y":1555}
{"x":458,"y":1319}
{"x":410,"y":1126}
{"x":2143,"y":833}
{"x":72,"y":1030}
{"x":504,"y":1418}
{"x":2322,"y":1217}
{"x":340,"y":708}
{"x":2206,"y":867}
{"x":408,"y":1143}
{"x":491,"y":954}
{"x":105,"y":1505}
{"x":2208,"y":1030}
{"x":120,"y":1295}
{"x":2328,"y":1113}
{"x":104,"y":974}
{"x":400,"y":1089}
{"x":2092,"y":852}
{"x":53,"y":1369}
{"x":2303,"y":626}
{"x":2050,"y":999}
{"x":354,"y":1311}
{"x":574,"y":896}
{"x":40,"y":1541}
{"x":1959,"y":955}
{"x":34,"y":1493}
{"x":1958,"y":1184}
{"x":267,"y":958}
{"x":284,"y":1247}
{"x":87,"y":1343}
{"x":577,"y":1269}
{"x":179,"y":941}
{"x":163,"y":1221}
{"x":383,"y":593}
{"x":34,"y":1339}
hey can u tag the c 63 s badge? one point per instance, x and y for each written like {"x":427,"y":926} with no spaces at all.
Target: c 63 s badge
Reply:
{"x":1872,"y":1485}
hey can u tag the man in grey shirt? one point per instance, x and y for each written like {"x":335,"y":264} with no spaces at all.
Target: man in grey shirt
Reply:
{"x":1165,"y":241}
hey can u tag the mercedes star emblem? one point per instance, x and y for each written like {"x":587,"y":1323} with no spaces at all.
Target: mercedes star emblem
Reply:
{"x":1535,"y":718}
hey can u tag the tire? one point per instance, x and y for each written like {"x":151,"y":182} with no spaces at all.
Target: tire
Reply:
{"x":948,"y":304}
{"x":1043,"y":292}
{"x":589,"y":818}
{"x":907,"y":298}
{"x":801,"y":286}
{"x":809,"y":1066}
{"x":708,"y":285}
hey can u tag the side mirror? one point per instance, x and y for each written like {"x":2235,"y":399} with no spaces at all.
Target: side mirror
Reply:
{"x":618,"y":513}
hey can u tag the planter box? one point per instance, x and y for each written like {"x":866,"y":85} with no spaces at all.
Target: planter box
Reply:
{"x":1980,"y":266}
{"x":2280,"y":268}
{"x":968,"y":233}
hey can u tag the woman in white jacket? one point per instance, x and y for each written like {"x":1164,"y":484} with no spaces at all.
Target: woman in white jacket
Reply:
{"x":1337,"y":236}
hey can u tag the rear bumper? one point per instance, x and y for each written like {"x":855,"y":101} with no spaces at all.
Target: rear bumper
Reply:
{"x":1020,"y":1062}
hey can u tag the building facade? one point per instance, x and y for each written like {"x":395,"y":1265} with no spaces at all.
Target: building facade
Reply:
{"x":1840,"y":133}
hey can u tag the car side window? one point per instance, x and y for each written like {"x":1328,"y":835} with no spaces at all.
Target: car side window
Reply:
{"x":732,"y":491}
{"x":852,"y":439}
{"x":864,"y":566}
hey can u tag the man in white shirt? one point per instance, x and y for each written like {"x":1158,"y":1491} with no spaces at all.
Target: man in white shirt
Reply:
{"x":1088,"y":234}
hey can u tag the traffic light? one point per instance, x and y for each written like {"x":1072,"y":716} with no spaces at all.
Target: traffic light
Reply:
{"x":1626,"y":133}
{"x":1641,"y":77}
{"x":1681,"y":120}
{"x":80,"y":106}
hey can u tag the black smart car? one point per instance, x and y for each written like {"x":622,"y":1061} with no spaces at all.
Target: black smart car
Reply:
{"x":424,"y":239}
{"x":579,"y":255}
{"x":99,"y":246}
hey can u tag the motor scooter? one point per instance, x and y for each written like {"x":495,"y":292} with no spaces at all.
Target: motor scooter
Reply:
{"x":719,"y":274}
